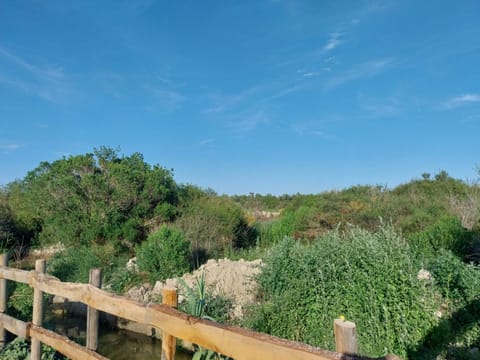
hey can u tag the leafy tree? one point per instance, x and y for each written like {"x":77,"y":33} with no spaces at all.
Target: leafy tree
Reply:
{"x":214,"y":225}
{"x":94,"y":198}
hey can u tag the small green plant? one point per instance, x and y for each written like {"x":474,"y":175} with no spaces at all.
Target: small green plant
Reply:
{"x":19,"y":349}
{"x":123,"y":279}
{"x":197,"y":302}
{"x":165,"y":254}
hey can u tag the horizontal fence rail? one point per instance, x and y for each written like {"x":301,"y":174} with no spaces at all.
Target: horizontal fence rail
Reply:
{"x":233,"y":341}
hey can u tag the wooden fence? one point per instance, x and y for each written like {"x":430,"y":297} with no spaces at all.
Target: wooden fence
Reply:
{"x":232,"y":341}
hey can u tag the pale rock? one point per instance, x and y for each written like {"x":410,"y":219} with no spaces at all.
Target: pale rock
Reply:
{"x":424,"y":275}
{"x":132,"y":265}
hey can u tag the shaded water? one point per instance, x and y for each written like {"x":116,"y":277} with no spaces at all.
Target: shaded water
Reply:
{"x":113,"y":343}
{"x":126,"y":345}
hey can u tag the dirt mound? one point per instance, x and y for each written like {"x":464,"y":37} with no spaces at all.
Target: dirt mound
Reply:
{"x":233,"y":280}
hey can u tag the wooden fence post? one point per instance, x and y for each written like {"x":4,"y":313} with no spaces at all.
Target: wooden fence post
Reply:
{"x":3,"y":299}
{"x":345,"y":337}
{"x":95,"y":279}
{"x":37,"y":317}
{"x":169,"y":342}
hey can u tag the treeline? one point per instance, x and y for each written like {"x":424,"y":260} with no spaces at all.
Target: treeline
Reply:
{"x":102,"y":197}
{"x":409,"y":207}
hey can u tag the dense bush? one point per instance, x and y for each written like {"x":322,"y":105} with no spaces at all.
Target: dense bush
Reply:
{"x":368,"y":277}
{"x":74,"y":263}
{"x":457,"y":281}
{"x":215,"y":225}
{"x":447,"y":234}
{"x":458,"y":331}
{"x":94,"y":199}
{"x":165,"y":254}
{"x":19,"y":349}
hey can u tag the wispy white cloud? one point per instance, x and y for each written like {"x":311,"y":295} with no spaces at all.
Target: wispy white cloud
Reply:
{"x":248,"y":120}
{"x":10,"y":147}
{"x":461,"y":100}
{"x":250,"y":108}
{"x":311,"y":128}
{"x":225,"y":102}
{"x":48,"y":82}
{"x":167,"y":99}
{"x":380,"y":108}
{"x":334,"y":40}
{"x":314,"y":127}
{"x":364,"y":70}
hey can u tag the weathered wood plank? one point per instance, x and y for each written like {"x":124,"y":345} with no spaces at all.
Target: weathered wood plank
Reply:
{"x":233,"y":341}
{"x":15,"y":326}
{"x":3,"y":299}
{"x":345,"y":337}
{"x":229,"y":340}
{"x":169,"y":342}
{"x":64,"y":345}
{"x":95,"y":279}
{"x":21,"y":276}
{"x":37,"y":316}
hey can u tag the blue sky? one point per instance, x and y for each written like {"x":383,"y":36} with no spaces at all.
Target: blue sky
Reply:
{"x":245,"y":96}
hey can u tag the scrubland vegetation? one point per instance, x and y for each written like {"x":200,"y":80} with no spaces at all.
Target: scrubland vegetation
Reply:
{"x":356,"y":252}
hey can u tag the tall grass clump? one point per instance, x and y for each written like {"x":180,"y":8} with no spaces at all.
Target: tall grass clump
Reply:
{"x":367,"y":277}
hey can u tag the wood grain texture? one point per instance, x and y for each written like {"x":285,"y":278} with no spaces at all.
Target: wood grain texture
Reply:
{"x":37,"y":317}
{"x":169,"y":342}
{"x":64,"y":345}
{"x":15,"y":326}
{"x":3,"y":300}
{"x":95,"y":280}
{"x":345,"y":337}
{"x":233,"y":341}
{"x":17,"y":275}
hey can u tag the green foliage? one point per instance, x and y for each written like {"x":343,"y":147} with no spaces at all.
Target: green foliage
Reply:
{"x":368,"y":277}
{"x":74,"y":263}
{"x":456,"y":280}
{"x":447,"y":234}
{"x":214,"y":225}
{"x":199,"y":303}
{"x":123,"y":279}
{"x":165,"y":254}
{"x":20,"y":302}
{"x":19,"y":349}
{"x":93,"y":198}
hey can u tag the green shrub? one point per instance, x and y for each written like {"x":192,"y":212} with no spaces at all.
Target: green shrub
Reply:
{"x":215,"y":225}
{"x":123,"y":279}
{"x":165,"y":254}
{"x":456,"y":280}
{"x":19,"y":349}
{"x":448,"y":234}
{"x":74,"y":263}
{"x":368,"y":277}
{"x":20,"y":302}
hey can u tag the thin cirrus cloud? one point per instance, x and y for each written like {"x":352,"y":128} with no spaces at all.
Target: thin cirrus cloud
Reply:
{"x":10,"y":147}
{"x":166,"y":99}
{"x":461,"y":100}
{"x":363,"y":70}
{"x":48,"y":82}
{"x":247,"y":110}
{"x":334,"y":41}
